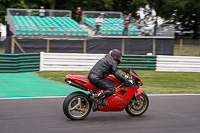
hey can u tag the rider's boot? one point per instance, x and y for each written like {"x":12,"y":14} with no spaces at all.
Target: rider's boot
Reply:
{"x":95,"y":97}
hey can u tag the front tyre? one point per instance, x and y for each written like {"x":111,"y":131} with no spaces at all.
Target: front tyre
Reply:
{"x":76,"y":106}
{"x":135,"y":109}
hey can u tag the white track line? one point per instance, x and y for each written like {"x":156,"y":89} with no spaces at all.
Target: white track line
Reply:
{"x":17,"y":98}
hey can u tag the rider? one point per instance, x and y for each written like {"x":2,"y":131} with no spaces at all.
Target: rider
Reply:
{"x":104,"y":67}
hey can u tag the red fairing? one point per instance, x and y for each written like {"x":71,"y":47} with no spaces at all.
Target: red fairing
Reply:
{"x":138,"y":78}
{"x":119,"y":101}
{"x":83,"y":80}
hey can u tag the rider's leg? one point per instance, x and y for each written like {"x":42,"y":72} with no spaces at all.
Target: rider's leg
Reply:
{"x":101,"y":84}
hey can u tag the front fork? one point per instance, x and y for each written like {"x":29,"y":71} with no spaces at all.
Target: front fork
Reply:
{"x":137,"y":96}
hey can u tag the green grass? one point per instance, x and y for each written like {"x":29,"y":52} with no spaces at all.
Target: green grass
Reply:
{"x":187,"y":50}
{"x":154,"y":82}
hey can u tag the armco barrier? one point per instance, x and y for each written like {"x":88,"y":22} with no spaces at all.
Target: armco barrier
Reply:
{"x":138,"y":62}
{"x":19,"y":62}
{"x":178,"y":63}
{"x":84,"y":62}
{"x":68,"y":61}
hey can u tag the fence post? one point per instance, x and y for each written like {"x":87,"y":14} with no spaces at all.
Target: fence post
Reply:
{"x":13,"y":44}
{"x":123,"y":46}
{"x":18,"y":45}
{"x":48,"y":46}
{"x":84,"y":46}
{"x":199,"y":47}
{"x":154,"y":47}
{"x":181,"y":47}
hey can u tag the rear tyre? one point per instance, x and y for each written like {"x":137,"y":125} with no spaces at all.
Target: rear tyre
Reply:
{"x":134,"y":109}
{"x":76,"y":106}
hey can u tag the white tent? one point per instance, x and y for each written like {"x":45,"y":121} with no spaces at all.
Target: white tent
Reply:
{"x":3,"y":32}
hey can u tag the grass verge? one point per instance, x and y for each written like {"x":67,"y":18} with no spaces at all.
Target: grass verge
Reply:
{"x":154,"y":82}
{"x":187,"y":50}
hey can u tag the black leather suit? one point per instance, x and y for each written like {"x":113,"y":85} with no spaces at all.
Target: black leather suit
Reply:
{"x":101,"y":69}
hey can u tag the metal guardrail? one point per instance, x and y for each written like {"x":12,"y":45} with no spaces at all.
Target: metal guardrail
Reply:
{"x":11,"y":22}
{"x":84,"y":62}
{"x":178,"y":63}
{"x":19,"y":62}
{"x":35,"y":12}
{"x":117,"y":29}
{"x":165,"y":30}
{"x":105,"y":14}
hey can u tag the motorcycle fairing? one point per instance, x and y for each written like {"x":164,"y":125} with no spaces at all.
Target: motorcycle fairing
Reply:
{"x":83,"y":80}
{"x":119,"y":100}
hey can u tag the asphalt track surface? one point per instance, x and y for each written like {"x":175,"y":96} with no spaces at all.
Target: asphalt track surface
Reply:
{"x":166,"y":114}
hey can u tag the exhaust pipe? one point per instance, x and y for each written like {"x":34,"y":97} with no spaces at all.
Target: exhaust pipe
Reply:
{"x":74,"y":84}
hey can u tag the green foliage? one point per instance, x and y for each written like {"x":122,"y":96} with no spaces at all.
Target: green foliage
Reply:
{"x":26,"y":4}
{"x":108,"y":4}
{"x":185,"y":12}
{"x":20,"y":4}
{"x":125,"y":6}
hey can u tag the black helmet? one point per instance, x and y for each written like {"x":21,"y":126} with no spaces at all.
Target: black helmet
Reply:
{"x":116,"y":55}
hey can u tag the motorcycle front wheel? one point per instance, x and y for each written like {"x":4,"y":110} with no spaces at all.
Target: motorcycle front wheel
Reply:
{"x":135,"y":109}
{"x":76,"y":106}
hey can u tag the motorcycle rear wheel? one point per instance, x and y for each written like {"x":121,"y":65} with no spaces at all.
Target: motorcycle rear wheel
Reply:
{"x":134,"y":109}
{"x":76,"y":106}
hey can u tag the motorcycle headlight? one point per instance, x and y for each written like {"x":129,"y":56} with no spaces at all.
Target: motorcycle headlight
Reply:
{"x":139,"y":83}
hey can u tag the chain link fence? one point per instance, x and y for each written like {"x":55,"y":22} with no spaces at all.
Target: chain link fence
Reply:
{"x":187,"y":47}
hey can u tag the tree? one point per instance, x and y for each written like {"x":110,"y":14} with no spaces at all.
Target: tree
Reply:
{"x":26,"y":4}
{"x":183,"y":14}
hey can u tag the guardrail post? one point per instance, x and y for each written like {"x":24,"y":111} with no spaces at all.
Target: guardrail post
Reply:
{"x":84,"y":46}
{"x":199,"y":47}
{"x":48,"y":46}
{"x":123,"y":46}
{"x":13,"y":44}
{"x":181,"y":47}
{"x":154,"y":47}
{"x":18,"y":45}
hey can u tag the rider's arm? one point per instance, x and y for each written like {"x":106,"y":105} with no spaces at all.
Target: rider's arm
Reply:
{"x":118,"y":75}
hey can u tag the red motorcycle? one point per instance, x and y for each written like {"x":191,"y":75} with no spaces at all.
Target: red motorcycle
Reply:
{"x":77,"y":105}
